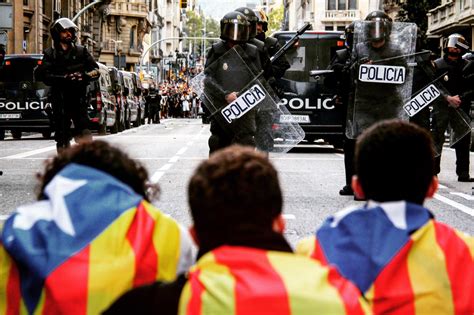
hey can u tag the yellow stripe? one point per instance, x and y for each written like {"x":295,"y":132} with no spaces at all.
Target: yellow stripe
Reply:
{"x":111,"y":264}
{"x":428,"y":274}
{"x":166,"y":239}
{"x":40,"y":306}
{"x":369,"y":296}
{"x":306,"y":246}
{"x":307,"y":285}
{"x":219,"y":284}
{"x":469,"y":240}
{"x":184,"y":299}
{"x":5,"y":266}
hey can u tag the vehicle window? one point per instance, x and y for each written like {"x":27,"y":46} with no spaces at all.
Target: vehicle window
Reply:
{"x":19,"y":70}
{"x":311,"y":54}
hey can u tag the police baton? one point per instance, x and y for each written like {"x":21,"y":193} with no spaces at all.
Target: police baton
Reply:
{"x":290,"y":43}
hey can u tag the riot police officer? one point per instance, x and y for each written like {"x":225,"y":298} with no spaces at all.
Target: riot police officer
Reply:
{"x":458,"y":82}
{"x":153,"y":100}
{"x":234,"y":32}
{"x":68,"y":68}
{"x":340,"y":64}
{"x":272,"y":46}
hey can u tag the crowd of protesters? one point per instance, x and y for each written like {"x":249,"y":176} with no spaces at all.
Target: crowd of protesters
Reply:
{"x":178,"y":100}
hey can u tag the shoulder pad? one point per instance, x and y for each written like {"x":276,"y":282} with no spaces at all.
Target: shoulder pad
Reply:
{"x":440,"y":64}
{"x":258,"y":43}
{"x":251,"y":50}
{"x":270,"y":41}
{"x":219,"y":47}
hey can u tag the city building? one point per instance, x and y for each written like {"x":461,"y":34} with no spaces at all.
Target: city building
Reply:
{"x":329,"y":15}
{"x":453,"y":16}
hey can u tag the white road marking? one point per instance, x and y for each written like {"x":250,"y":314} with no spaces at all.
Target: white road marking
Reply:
{"x":156,"y":177}
{"x":29,"y":153}
{"x":455,"y":204}
{"x":339,"y":155}
{"x":462,"y":195}
{"x":182,"y":150}
{"x":289,"y":217}
{"x":165,"y":167}
{"x":4,"y":217}
{"x":174,"y":159}
{"x":190,"y":143}
{"x":442,"y":186}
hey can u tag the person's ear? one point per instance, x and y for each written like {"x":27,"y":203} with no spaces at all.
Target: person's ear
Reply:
{"x":357,"y":187}
{"x":192,"y":232}
{"x":433,"y":187}
{"x":279,"y":224}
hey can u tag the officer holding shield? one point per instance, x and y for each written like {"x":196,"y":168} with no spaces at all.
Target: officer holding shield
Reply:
{"x":459,"y":83}
{"x":223,"y":81}
{"x":380,"y":73}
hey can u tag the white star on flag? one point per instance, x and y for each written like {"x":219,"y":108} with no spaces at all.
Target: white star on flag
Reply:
{"x":54,"y":209}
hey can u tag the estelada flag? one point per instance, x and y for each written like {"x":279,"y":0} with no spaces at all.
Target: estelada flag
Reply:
{"x":247,"y":281}
{"x":89,"y":241}
{"x":403,"y":260}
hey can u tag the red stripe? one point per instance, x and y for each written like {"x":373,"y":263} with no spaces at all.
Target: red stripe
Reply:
{"x":318,"y":254}
{"x":194,"y":306}
{"x":259,"y":288}
{"x":66,"y":288}
{"x":348,"y":292}
{"x":393,"y":293}
{"x":13,"y":290}
{"x":460,"y":268}
{"x":140,"y":237}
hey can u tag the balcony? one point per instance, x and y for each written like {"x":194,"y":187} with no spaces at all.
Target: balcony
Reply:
{"x":125,"y":8}
{"x":450,"y":16}
{"x":341,"y":16}
{"x":109,"y":46}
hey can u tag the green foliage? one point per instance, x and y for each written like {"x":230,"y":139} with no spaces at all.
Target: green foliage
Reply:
{"x":275,"y":18}
{"x":416,"y":12}
{"x":195,"y":26}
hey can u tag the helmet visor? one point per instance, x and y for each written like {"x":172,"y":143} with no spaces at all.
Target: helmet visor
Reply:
{"x":457,"y":42}
{"x":237,"y":32}
{"x":378,"y":29}
{"x":66,"y":24}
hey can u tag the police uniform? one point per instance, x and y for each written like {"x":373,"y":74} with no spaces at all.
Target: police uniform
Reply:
{"x":153,"y":101}
{"x":458,"y":81}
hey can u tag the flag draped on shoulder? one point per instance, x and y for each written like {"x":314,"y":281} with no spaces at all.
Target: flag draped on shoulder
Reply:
{"x":242,"y":280}
{"x":89,"y":241}
{"x":403,"y":260}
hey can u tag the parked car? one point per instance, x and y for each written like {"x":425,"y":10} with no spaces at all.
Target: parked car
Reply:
{"x":131,"y":107}
{"x":117,"y":90}
{"x":309,"y":99}
{"x":24,"y":102}
{"x":102,"y":104}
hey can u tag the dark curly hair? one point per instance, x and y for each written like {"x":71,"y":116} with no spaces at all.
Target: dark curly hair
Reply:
{"x":395,"y":161}
{"x":105,"y":157}
{"x":236,"y":189}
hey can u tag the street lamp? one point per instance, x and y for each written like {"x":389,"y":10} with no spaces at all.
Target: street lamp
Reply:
{"x":204,"y":35}
{"x":117,"y":61}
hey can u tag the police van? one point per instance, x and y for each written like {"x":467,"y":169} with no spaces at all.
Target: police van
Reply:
{"x":24,"y":102}
{"x":309,"y":99}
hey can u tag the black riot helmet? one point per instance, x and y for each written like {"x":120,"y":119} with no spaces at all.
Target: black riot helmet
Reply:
{"x":251,"y":18}
{"x":349,"y":35}
{"x":456,"y":41}
{"x":262,"y":19}
{"x":235,"y":27}
{"x":380,"y":26}
{"x":63,"y":24}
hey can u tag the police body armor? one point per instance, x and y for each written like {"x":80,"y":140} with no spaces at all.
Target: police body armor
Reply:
{"x":235,"y":71}
{"x":381,"y":75}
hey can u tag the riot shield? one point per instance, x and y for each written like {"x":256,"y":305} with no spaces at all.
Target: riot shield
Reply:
{"x":434,"y":95}
{"x":251,"y":116}
{"x":381,"y":75}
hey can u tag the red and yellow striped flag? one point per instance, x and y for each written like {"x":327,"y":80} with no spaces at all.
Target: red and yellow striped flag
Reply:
{"x":241,"y":281}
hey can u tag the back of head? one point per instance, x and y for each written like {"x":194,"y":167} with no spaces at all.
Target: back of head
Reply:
{"x":251,"y":18}
{"x":235,"y":27}
{"x":104,"y":157}
{"x":380,"y":25}
{"x":395,"y":161}
{"x":235,"y":190}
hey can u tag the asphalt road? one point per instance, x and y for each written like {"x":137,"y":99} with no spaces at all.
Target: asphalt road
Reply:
{"x":311,"y":175}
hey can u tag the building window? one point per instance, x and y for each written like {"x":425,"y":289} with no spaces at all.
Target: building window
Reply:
{"x":25,"y":2}
{"x":133,"y":36}
{"x":328,"y":28}
{"x":342,"y":4}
